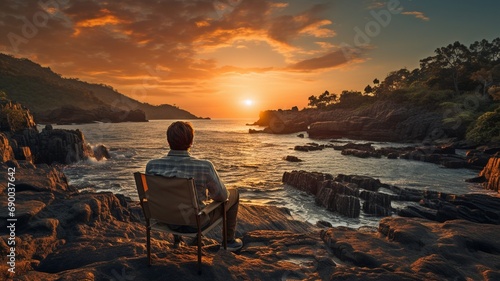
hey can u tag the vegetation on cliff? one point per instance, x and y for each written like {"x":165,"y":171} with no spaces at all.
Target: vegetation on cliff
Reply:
{"x":47,"y":93}
{"x":460,"y":83}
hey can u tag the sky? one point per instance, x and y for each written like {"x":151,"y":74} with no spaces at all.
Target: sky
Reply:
{"x":235,"y":58}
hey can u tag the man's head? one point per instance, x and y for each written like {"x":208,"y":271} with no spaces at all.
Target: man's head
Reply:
{"x":180,"y":135}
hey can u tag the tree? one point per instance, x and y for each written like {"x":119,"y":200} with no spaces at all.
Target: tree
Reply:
{"x":484,"y":77}
{"x":323,"y":100}
{"x":368,"y":89}
{"x":452,"y":61}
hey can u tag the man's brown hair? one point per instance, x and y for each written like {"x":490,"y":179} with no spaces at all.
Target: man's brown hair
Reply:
{"x":180,"y":135}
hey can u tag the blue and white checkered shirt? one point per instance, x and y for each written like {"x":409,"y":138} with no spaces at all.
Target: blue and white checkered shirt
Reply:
{"x":180,"y":163}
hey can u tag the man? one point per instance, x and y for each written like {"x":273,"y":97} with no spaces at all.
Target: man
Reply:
{"x":179,"y":163}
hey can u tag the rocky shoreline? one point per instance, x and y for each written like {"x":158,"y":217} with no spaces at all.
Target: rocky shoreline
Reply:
{"x":62,"y":234}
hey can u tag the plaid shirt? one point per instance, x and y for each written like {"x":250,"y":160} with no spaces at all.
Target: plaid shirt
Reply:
{"x":179,"y":163}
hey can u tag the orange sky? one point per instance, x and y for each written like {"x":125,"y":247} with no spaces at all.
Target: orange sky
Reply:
{"x":209,"y":57}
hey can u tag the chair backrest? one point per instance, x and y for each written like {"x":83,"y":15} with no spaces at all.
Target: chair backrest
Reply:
{"x":169,"y":200}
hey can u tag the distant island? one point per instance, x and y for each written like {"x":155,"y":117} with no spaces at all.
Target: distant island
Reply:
{"x":453,"y":96}
{"x":54,"y":99}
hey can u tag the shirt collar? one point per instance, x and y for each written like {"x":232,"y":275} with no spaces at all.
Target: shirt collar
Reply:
{"x":179,"y":153}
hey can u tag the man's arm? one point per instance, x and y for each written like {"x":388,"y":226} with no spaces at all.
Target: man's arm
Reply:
{"x":217,"y":189}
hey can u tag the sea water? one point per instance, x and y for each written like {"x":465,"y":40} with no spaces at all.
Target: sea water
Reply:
{"x":253,"y":163}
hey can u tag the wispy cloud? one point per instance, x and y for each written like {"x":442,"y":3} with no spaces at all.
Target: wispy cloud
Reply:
{"x":418,"y":15}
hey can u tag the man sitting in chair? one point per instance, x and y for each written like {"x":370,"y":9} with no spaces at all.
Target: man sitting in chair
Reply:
{"x":179,"y":163}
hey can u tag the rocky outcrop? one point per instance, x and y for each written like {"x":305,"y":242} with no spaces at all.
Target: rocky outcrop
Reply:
{"x":381,"y":121}
{"x":20,"y":133}
{"x":491,"y":173}
{"x":62,"y":234}
{"x":416,"y":249}
{"x":5,"y":149}
{"x":14,"y":117}
{"x":345,"y":194}
{"x":281,"y":122}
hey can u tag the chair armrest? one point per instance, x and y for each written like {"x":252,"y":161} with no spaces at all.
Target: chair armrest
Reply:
{"x":211,"y":207}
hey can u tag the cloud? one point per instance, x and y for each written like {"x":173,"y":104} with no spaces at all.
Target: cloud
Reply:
{"x":333,"y":59}
{"x":418,"y":15}
{"x":108,"y":41}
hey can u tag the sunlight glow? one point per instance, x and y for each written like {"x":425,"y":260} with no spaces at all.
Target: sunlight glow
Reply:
{"x":248,"y":102}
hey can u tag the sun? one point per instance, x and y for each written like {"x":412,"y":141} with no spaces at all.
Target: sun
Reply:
{"x":248,"y":102}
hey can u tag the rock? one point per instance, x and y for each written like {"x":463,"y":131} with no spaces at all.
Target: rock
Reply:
{"x":480,"y":208}
{"x":378,"y":204}
{"x":480,"y":179}
{"x":305,"y":181}
{"x":342,"y":194}
{"x":392,"y":155}
{"x":5,"y":149}
{"x":27,"y":144}
{"x":453,"y":163}
{"x":360,"y":153}
{"x":364,"y":182}
{"x":491,"y":173}
{"x":323,"y":224}
{"x":14,"y":117}
{"x":101,"y":152}
{"x":309,"y":147}
{"x":291,"y":158}
{"x":253,"y":131}
{"x":416,"y":249}
{"x":282,"y":121}
{"x":477,"y":159}
{"x":57,"y":145}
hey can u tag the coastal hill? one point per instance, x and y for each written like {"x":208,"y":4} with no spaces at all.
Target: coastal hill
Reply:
{"x":53,"y":98}
{"x":453,"y":95}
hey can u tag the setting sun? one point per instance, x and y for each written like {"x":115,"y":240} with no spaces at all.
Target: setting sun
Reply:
{"x":248,"y":102}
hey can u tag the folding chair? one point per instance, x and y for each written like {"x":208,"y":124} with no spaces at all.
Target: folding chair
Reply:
{"x":173,"y":201}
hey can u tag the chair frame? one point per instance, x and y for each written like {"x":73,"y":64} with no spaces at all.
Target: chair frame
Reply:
{"x":152,"y":223}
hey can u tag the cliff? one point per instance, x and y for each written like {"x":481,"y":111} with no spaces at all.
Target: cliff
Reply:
{"x":380,"y":121}
{"x":48,"y":94}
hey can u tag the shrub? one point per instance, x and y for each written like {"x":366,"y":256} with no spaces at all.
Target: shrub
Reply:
{"x":486,"y":128}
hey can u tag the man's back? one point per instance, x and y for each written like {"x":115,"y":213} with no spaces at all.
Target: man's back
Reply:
{"x":181,"y":164}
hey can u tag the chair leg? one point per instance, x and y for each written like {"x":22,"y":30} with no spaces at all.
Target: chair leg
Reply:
{"x":148,"y":244}
{"x":199,"y":252}
{"x":224,"y":227}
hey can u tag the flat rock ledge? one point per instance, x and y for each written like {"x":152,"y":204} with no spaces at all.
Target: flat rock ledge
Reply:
{"x":62,"y":234}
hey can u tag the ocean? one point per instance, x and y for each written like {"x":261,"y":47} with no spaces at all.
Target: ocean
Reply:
{"x":253,"y":163}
